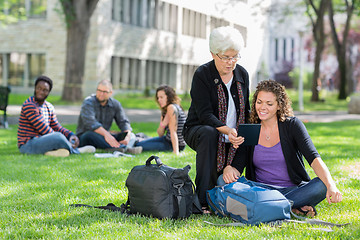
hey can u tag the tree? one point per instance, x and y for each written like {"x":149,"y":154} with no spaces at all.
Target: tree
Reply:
{"x":11,"y":11}
{"x":341,"y":46}
{"x":77,"y":16}
{"x":316,"y":12}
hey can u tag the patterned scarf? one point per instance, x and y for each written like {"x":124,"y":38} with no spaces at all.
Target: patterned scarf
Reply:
{"x":222,"y":114}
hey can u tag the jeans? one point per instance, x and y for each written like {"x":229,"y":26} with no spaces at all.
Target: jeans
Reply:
{"x":45,"y":143}
{"x":98,"y":141}
{"x":157,"y":144}
{"x":305,"y":194}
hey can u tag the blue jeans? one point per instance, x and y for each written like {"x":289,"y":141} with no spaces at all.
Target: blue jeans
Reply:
{"x":48,"y":142}
{"x":157,"y":144}
{"x":98,"y":141}
{"x":305,"y":194}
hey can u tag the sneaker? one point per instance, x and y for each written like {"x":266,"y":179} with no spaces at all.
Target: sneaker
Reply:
{"x":87,"y":149}
{"x":61,"y":152}
{"x":111,"y":150}
{"x":135,"y":150}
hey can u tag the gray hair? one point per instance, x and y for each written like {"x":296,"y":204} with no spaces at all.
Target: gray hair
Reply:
{"x":225,"y":38}
{"x":106,"y":83}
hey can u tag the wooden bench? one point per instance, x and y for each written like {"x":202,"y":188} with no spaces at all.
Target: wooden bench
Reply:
{"x":4,"y":100}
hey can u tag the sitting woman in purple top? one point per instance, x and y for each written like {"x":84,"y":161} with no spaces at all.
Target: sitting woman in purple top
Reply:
{"x":277,"y":161}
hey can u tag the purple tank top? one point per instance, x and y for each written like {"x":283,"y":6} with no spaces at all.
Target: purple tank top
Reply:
{"x":270,"y":166}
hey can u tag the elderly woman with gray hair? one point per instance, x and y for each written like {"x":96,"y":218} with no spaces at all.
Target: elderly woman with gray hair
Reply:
{"x":220,"y":102}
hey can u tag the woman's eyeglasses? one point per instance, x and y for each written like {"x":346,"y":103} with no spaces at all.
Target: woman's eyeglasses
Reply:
{"x":227,"y":59}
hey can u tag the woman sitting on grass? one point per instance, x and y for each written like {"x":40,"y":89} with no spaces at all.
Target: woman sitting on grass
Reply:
{"x":277,"y":161}
{"x":171,"y":123}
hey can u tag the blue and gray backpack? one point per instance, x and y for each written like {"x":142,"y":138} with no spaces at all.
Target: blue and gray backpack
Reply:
{"x":249,"y":204}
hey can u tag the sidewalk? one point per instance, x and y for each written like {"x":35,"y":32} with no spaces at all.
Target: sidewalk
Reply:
{"x":69,"y":115}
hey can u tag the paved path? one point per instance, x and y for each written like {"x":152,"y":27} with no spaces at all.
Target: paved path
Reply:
{"x":69,"y":115}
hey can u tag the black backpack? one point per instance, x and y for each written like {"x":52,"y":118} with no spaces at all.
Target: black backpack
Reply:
{"x":161,"y":191}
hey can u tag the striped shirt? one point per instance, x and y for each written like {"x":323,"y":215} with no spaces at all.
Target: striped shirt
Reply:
{"x":181,"y":118}
{"x":37,"y":120}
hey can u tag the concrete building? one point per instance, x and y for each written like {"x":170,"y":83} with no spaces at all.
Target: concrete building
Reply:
{"x":138,"y":44}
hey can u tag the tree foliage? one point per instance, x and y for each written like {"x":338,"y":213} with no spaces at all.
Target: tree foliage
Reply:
{"x":11,"y":11}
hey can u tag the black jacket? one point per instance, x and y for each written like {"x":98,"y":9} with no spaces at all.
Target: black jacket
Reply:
{"x":204,"y":105}
{"x":295,"y":143}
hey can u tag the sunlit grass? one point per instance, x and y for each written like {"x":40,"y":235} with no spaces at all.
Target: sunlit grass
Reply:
{"x":36,"y":191}
{"x":139,"y":101}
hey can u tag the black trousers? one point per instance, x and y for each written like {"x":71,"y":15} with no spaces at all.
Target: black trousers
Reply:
{"x":203,"y":139}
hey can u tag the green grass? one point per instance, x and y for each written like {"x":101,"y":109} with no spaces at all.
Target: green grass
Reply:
{"x":130,"y":100}
{"x":36,"y":191}
{"x":329,"y":101}
{"x":139,"y":101}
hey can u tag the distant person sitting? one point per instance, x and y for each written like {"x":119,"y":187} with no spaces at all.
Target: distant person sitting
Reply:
{"x":172,"y":122}
{"x":39,"y":131}
{"x":96,"y":116}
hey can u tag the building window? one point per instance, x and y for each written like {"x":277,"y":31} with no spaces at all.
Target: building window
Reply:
{"x":36,"y":66}
{"x":25,"y":8}
{"x":131,"y":73}
{"x":21,"y":69}
{"x":194,"y":23}
{"x":187,"y":73}
{"x":150,"y":14}
{"x":16,"y":69}
{"x":36,"y":8}
{"x":243,"y":31}
{"x":218,"y":22}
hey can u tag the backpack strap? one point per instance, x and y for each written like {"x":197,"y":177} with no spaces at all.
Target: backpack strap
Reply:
{"x":181,"y":201}
{"x":110,"y":207}
{"x":313,"y":221}
{"x":196,"y":205}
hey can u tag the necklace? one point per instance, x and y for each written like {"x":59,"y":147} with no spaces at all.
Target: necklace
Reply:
{"x":267,"y":137}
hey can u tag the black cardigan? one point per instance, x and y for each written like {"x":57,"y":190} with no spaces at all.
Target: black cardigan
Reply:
{"x":204,"y":105}
{"x":295,"y":143}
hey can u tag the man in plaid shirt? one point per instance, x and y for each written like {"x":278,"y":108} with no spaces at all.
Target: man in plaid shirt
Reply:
{"x":39,"y":131}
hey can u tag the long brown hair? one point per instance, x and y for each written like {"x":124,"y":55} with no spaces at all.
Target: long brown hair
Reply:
{"x":171,"y":97}
{"x":283,"y":100}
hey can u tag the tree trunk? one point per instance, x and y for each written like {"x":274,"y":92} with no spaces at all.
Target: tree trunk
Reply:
{"x":342,"y":47}
{"x":343,"y":76}
{"x":316,"y":75}
{"x":77,"y":15}
{"x":319,"y":36}
{"x":77,"y":37}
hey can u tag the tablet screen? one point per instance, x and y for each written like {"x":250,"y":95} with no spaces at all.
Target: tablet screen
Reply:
{"x":250,"y":132}
{"x":121,"y":136}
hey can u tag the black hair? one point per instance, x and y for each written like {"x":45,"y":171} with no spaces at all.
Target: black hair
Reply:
{"x":44,"y":79}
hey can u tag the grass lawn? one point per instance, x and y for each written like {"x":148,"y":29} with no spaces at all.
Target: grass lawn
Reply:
{"x":139,"y":101}
{"x":36,"y":192}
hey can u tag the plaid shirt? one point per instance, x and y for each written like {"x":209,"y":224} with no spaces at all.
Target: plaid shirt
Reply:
{"x":37,"y":120}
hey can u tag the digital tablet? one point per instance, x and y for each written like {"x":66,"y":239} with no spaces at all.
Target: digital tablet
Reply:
{"x":121,"y":136}
{"x":250,"y":132}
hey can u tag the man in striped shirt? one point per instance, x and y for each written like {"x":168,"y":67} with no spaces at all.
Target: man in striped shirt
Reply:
{"x":39,"y":131}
